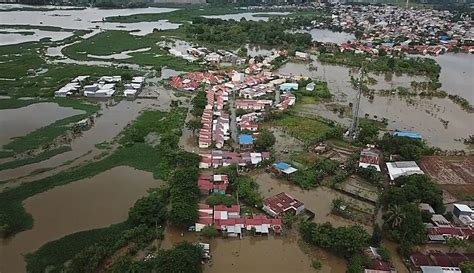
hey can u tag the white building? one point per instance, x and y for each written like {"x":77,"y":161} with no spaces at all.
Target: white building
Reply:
{"x":402,"y":168}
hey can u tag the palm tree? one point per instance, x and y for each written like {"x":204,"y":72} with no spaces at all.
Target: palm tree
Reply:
{"x":395,"y":216}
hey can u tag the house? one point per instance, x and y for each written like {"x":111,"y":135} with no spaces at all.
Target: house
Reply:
{"x":238,"y":77}
{"x":310,"y":87}
{"x":282,"y":203}
{"x":439,"y":269}
{"x":437,"y":259}
{"x":376,"y":264}
{"x":301,"y":55}
{"x":217,"y":184}
{"x":407,"y":134}
{"x":246,"y":142}
{"x":284,"y":168}
{"x":463,"y":215}
{"x":435,"y":233}
{"x":440,"y":221}
{"x":205,"y":217}
{"x":288,"y":87}
{"x":402,"y":168}
{"x":370,"y":157}
{"x":426,"y":208}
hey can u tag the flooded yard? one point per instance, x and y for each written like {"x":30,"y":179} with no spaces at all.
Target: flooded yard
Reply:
{"x":317,"y":200}
{"x":90,"y":203}
{"x":19,"y":122}
{"x":272,"y":254}
{"x":414,"y":114}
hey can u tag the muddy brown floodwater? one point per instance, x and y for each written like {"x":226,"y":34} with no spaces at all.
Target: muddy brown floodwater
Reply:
{"x":19,"y":121}
{"x":317,"y":200}
{"x":82,"y":205}
{"x":272,"y":254}
{"x":413,"y":114}
{"x":107,"y":126}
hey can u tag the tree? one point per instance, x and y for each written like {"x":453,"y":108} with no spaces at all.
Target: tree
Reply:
{"x":265,"y":140}
{"x":455,"y":244}
{"x":183,"y":258}
{"x":288,"y":220}
{"x":384,"y":254}
{"x":194,"y":125}
{"x":357,"y":263}
{"x":376,"y":235}
{"x":149,"y":210}
{"x":395,"y":216}
{"x":467,"y":267}
{"x":209,"y":231}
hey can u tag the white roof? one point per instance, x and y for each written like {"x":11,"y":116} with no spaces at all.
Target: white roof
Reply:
{"x":289,"y":170}
{"x":464,"y":208}
{"x":439,"y":269}
{"x":402,"y":168}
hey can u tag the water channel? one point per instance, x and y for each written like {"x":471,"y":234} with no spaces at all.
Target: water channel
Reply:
{"x":86,"y":204}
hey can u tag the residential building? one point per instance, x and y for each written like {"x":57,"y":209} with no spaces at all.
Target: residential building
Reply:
{"x":284,"y":168}
{"x":409,"y":135}
{"x":246,"y":142}
{"x":370,"y":157}
{"x":402,"y":168}
{"x":437,"y":259}
{"x":282,"y":203}
{"x":310,"y":87}
{"x":288,"y":87}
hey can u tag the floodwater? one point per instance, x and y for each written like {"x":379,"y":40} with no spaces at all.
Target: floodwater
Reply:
{"x":317,"y":200}
{"x":89,"y":18}
{"x":14,"y":36}
{"x":255,"y":50}
{"x":250,"y":16}
{"x":82,"y":205}
{"x":414,"y":114}
{"x":457,"y":74}
{"x":107,"y":126}
{"x":119,"y":56}
{"x":19,"y":122}
{"x":329,"y":36}
{"x":272,"y":254}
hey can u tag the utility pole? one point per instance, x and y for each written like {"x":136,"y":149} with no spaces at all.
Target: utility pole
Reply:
{"x":355,"y":118}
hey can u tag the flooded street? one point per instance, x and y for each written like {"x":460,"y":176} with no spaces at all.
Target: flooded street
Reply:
{"x":19,"y":122}
{"x":82,"y":205}
{"x":414,"y":114}
{"x":266,"y":254}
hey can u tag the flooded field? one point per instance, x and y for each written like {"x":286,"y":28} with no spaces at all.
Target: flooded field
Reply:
{"x":16,"y":36}
{"x":106,"y":128}
{"x":89,"y":18}
{"x":329,"y":36}
{"x":414,"y":114}
{"x":82,"y":205}
{"x":272,"y":254}
{"x":456,"y":75}
{"x":249,"y":16}
{"x":317,"y":200}
{"x":19,"y":122}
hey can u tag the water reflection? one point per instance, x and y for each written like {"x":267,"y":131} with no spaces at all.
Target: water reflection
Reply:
{"x":82,"y":205}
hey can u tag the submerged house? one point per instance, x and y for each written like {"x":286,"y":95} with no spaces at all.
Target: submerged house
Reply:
{"x":282,"y":203}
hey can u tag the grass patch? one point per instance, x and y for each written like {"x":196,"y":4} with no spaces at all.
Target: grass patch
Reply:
{"x":48,"y":133}
{"x":40,"y":157}
{"x":5,"y":154}
{"x":306,"y":129}
{"x":58,"y":252}
{"x":106,"y":43}
{"x":13,"y":103}
{"x":178,"y":16}
{"x":160,"y":160}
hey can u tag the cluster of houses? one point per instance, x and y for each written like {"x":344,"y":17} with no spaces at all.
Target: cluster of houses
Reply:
{"x":219,"y":158}
{"x":438,"y":261}
{"x":204,"y":55}
{"x":395,"y":28}
{"x":228,"y":219}
{"x":192,"y":80}
{"x":104,"y":87}
{"x":440,"y":229}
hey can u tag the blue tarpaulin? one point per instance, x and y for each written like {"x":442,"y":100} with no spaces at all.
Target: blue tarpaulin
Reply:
{"x":407,"y":134}
{"x":245,"y":139}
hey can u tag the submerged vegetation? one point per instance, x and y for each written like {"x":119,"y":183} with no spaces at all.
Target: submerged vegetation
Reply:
{"x":414,"y":66}
{"x":160,"y":160}
{"x":45,"y":135}
{"x":34,"y":159}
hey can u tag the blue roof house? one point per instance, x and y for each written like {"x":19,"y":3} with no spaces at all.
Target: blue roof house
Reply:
{"x":246,"y":142}
{"x":407,"y":134}
{"x":289,"y":86}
